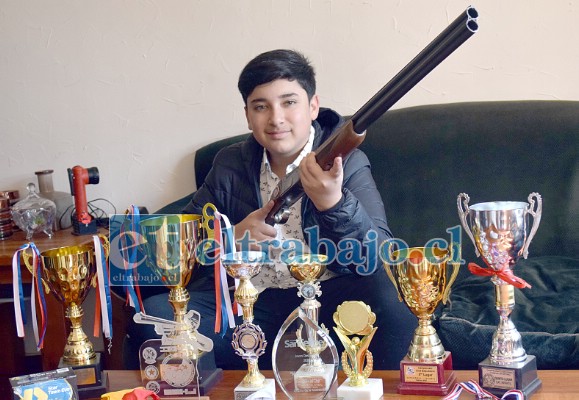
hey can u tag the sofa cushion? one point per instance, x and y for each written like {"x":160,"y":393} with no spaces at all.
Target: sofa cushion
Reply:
{"x":546,"y":316}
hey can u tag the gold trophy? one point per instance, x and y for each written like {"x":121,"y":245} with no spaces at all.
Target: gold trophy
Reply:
{"x":69,"y":272}
{"x":420,"y":277}
{"x":170,"y":245}
{"x":501,"y":234}
{"x":356,"y":318}
{"x":248,"y":339}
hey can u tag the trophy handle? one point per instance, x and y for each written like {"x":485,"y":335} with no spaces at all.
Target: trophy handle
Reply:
{"x":462,"y":204}
{"x":390,"y":275}
{"x":27,"y":261}
{"x":455,"y":270}
{"x":106,"y":244}
{"x":536,"y":219}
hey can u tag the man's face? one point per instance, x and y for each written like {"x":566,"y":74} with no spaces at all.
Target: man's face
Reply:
{"x":280,"y":115}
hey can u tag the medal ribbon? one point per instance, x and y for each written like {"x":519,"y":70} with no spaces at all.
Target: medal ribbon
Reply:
{"x":217,"y":275}
{"x":129,"y":255}
{"x":103,"y":304}
{"x":226,"y":307}
{"x":36,"y":292}
{"x":505,"y":274}
{"x":223,"y":309}
{"x":474,"y":388}
{"x":19,"y":304}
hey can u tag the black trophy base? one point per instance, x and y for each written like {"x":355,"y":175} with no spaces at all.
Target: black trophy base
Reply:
{"x":427,"y":379}
{"x":498,"y":379}
{"x":208,"y":379}
{"x":89,"y":377}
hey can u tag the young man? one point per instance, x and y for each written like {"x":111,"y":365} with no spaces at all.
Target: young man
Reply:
{"x":282,"y":110}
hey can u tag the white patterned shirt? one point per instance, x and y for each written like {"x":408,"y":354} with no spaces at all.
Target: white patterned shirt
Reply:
{"x":278,"y":276}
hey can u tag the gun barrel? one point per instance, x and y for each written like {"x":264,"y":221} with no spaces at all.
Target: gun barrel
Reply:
{"x":350,"y":135}
{"x":463,"y":27}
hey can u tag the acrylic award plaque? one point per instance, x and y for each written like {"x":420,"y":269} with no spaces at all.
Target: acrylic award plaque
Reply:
{"x":304,"y":358}
{"x":170,"y":366}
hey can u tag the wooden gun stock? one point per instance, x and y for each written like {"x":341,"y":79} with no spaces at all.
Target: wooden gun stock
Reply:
{"x":351,"y":134}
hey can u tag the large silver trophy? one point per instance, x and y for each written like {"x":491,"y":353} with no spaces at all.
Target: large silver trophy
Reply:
{"x":501,"y":235}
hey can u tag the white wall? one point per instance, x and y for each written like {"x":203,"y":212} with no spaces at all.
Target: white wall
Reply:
{"x":134,"y":87}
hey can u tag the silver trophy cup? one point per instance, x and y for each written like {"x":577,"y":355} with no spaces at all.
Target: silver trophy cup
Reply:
{"x":501,"y":233}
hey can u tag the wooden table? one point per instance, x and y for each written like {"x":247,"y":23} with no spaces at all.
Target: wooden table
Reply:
{"x":57,"y":327}
{"x":557,"y":385}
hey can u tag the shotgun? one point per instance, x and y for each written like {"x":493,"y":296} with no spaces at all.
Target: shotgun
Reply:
{"x":352,"y":133}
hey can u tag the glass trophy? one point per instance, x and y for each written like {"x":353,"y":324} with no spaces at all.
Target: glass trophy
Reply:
{"x":305,"y":360}
{"x":248,"y":340}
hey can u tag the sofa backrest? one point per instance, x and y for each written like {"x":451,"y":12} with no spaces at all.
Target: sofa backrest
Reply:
{"x":423,"y":157}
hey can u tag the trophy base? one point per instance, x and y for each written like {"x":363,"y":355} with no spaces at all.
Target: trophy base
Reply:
{"x":243,"y":392}
{"x":372,"y":391}
{"x":171,"y":374}
{"x":428,"y":379}
{"x":307,"y":381}
{"x":497,"y":379}
{"x":88,"y":377}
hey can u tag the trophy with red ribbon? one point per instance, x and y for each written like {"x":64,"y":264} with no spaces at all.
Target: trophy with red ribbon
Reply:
{"x":69,"y":273}
{"x":500,"y":233}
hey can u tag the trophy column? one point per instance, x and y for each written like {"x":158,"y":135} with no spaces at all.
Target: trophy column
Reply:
{"x":248,"y":340}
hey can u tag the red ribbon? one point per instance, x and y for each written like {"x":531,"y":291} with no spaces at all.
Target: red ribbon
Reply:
{"x":217,"y":273}
{"x":505,"y":274}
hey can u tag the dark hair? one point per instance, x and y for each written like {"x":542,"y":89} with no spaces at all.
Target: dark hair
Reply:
{"x":277,"y":64}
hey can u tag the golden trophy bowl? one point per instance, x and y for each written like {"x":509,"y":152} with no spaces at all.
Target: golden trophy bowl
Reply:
{"x":420,"y":277}
{"x":170,"y":246}
{"x":69,"y":272}
{"x":307,"y":267}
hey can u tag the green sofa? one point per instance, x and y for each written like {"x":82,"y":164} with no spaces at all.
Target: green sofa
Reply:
{"x":423,"y":157}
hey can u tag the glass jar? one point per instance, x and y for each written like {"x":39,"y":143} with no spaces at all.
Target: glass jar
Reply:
{"x":34,"y":214}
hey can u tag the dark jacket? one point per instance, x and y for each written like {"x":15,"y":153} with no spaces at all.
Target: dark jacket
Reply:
{"x":232,"y":186}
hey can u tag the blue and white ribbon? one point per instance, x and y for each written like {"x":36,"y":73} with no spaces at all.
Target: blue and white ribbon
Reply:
{"x":226,"y":306}
{"x":129,"y":255}
{"x":104,"y":291}
{"x":36,"y":290}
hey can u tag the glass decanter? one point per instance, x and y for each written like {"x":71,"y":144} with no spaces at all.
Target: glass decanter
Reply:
{"x":34,"y":214}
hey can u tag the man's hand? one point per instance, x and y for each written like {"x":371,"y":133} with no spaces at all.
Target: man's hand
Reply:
{"x":254,"y":225}
{"x":324,"y":188}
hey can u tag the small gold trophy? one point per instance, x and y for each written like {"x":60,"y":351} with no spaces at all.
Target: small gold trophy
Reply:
{"x":356,"y":318}
{"x":248,"y":339}
{"x":69,"y":272}
{"x":420,"y":277}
